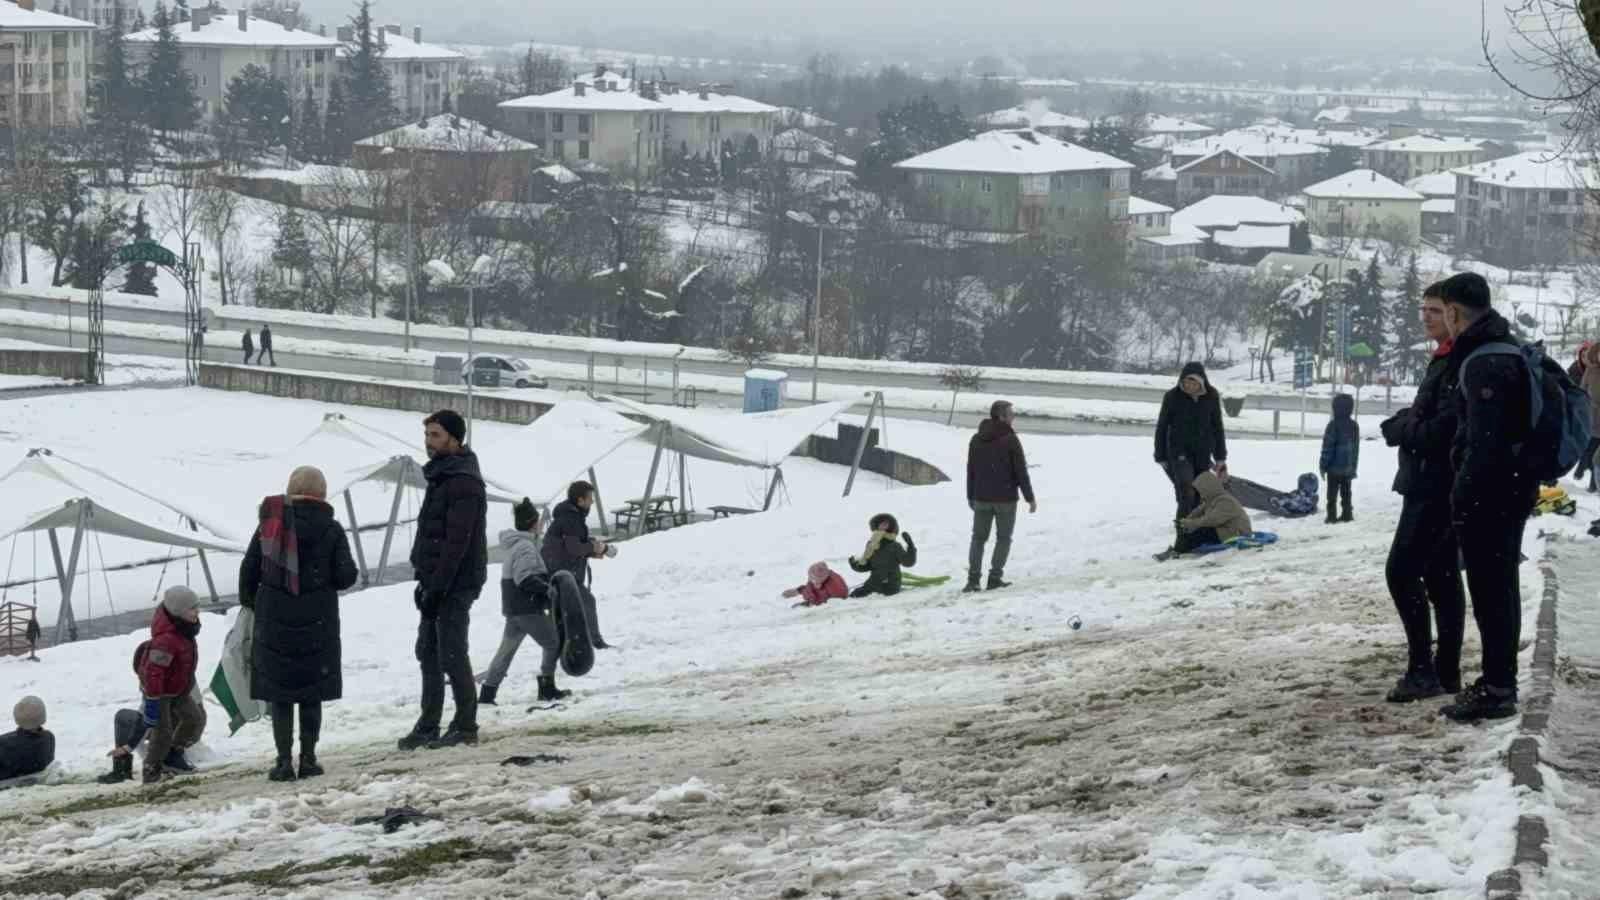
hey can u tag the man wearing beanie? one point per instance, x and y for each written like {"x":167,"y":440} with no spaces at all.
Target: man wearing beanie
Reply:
{"x":166,"y":664}
{"x":1189,"y":435}
{"x":450,"y":557}
{"x":30,"y":749}
{"x":1492,"y":494}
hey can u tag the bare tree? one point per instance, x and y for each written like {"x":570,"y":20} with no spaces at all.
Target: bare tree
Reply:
{"x":177,"y":202}
{"x":957,"y":379}
{"x":219,"y":214}
{"x":337,"y":236}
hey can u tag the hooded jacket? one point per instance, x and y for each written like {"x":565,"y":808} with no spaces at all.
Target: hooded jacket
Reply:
{"x":167,"y":663}
{"x":451,"y":554}
{"x":567,"y":547}
{"x":1493,"y":416}
{"x":1341,"y":440}
{"x":884,"y":558}
{"x":524,"y":581}
{"x":1218,"y":509}
{"x":1190,"y":429}
{"x":996,"y":466}
{"x":26,"y":753}
{"x":1424,"y":432}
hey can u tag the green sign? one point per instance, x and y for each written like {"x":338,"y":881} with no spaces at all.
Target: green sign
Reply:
{"x":1360,"y":350}
{"x":147,"y":252}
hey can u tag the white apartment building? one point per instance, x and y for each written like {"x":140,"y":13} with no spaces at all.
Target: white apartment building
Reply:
{"x":1418,"y":155}
{"x":421,"y":76}
{"x":591,"y":124}
{"x":1362,"y":202}
{"x":45,"y":64}
{"x":217,"y":46}
{"x":1527,"y":208}
{"x":703,"y":122}
{"x":103,"y":13}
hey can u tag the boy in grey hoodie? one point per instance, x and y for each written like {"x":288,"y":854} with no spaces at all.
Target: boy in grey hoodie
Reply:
{"x":526,"y":602}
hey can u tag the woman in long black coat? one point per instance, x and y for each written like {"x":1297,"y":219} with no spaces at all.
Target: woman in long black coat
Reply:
{"x":298,"y":562}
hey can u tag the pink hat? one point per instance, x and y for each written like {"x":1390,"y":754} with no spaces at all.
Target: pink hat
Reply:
{"x":819,"y":572}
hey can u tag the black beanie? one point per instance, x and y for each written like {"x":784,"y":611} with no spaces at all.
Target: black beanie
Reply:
{"x":524,"y":514}
{"x":1194,"y":368}
{"x":451,"y":422}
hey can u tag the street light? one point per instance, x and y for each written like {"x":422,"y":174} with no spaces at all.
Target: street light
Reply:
{"x":816,"y":306}
{"x":445,"y":273}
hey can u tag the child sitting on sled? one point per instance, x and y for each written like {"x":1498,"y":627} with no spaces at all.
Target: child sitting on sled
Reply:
{"x":884,"y":558}
{"x":1218,"y":519}
{"x":822,"y":584}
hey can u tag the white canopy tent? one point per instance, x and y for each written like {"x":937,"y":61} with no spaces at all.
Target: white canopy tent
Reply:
{"x":562,"y":444}
{"x":45,"y":492}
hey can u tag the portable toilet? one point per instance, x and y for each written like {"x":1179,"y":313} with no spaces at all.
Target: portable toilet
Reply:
{"x":764,"y":390}
{"x":447,"y":369}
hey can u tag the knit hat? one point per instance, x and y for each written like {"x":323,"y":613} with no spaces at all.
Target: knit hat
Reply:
{"x":524,"y":515}
{"x":29,"y":713}
{"x":179,"y":600}
{"x":818,"y":572}
{"x":451,"y":422}
{"x":1194,"y":368}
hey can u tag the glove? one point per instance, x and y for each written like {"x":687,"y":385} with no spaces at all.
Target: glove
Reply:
{"x":152,"y":712}
{"x":907,"y":536}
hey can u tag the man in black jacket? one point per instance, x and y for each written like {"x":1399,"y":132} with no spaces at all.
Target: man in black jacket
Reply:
{"x":996,"y":471}
{"x":266,"y":346}
{"x":568,"y":547}
{"x":1424,"y":567}
{"x":450,"y":557}
{"x":1492,"y":495}
{"x":1189,"y":435}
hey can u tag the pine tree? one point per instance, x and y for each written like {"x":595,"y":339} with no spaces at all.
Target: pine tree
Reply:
{"x":336,"y":140}
{"x":171,"y":101}
{"x":309,"y":143}
{"x":257,"y":105}
{"x":93,"y":243}
{"x":1364,"y":311}
{"x":141,"y":278}
{"x":367,"y":89}
{"x":180,"y":10}
{"x":116,"y":108}
{"x":292,"y":248}
{"x":1410,"y":358}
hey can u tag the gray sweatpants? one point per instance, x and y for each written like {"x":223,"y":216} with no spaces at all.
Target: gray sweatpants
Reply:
{"x":1003,"y":518}
{"x":539,"y":626}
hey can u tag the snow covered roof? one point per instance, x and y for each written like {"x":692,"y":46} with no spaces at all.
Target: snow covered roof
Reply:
{"x":1228,"y":211}
{"x":1535,"y":169}
{"x":760,"y":440}
{"x":1215,"y":153}
{"x":1278,"y":131}
{"x":1184,"y":239}
{"x":566,"y":441}
{"x":350,"y":452}
{"x":799,"y":118}
{"x":690,"y":101}
{"x":569,"y":100}
{"x":1169,"y":125}
{"x":1138,"y":206}
{"x":223,"y":31}
{"x":796,"y":139}
{"x":1013,"y":152}
{"x":1252,"y":237}
{"x":1032,"y":115}
{"x":1254,"y":145}
{"x":559,"y":174}
{"x":399,"y":47}
{"x":1438,"y":184}
{"x":1421,"y":143}
{"x":1440,"y":206}
{"x":1363,"y":184}
{"x":612,"y":79}
{"x":15,"y":18}
{"x":1336,"y":115}
{"x":1163,"y":172}
{"x":447,"y":132}
{"x":1058,"y":84}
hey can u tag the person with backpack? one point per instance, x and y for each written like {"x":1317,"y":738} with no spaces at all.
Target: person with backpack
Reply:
{"x":1521,"y":421}
{"x":1341,"y":452}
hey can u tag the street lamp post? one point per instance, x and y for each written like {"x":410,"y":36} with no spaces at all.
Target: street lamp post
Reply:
{"x":816,"y":304}
{"x":444,"y":272}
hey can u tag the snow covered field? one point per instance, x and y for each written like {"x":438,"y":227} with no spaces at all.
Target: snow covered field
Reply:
{"x":1215,"y":729}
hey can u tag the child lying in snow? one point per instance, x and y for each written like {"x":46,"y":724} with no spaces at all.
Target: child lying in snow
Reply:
{"x":822,"y":584}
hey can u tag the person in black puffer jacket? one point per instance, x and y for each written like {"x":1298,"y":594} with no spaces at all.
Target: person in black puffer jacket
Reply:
{"x":451,"y":559}
{"x":1189,"y":435}
{"x":297,"y":563}
{"x":568,"y":547}
{"x":1424,"y":569}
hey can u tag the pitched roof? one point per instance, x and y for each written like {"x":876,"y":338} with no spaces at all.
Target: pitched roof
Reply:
{"x":1026,"y":117}
{"x":1252,"y":237}
{"x":1438,"y":184}
{"x":1535,"y":169}
{"x":223,"y":31}
{"x":447,"y":132}
{"x":1363,"y":184}
{"x":568,"y":100}
{"x":1013,"y":152}
{"x":1229,"y":211}
{"x":689,"y":101}
{"x":1443,"y":205}
{"x":1216,"y":153}
{"x":1245,"y":143}
{"x":1138,"y":206}
{"x":398,"y":46}
{"x":1421,"y":143}
{"x":15,"y":18}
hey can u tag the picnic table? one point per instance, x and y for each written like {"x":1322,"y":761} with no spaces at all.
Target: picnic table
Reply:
{"x":655,"y":512}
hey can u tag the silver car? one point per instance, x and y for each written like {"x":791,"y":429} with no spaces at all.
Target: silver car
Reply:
{"x":487,"y":370}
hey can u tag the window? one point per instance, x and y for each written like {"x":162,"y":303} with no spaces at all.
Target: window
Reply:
{"x":583,"y":149}
{"x":318,"y":55}
{"x":76,"y":37}
{"x":1558,"y":197}
{"x":583,"y":126}
{"x":716,"y":124}
{"x":558,"y":149}
{"x":1494,"y":192}
{"x":59,"y":70}
{"x":1533,"y":221}
{"x":986,"y":184}
{"x":558,"y":122}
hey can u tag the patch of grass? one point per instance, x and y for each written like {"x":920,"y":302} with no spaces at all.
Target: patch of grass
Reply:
{"x":601,"y":730}
{"x":281,"y":875}
{"x":171,"y":792}
{"x":422,"y":860}
{"x":71,"y":882}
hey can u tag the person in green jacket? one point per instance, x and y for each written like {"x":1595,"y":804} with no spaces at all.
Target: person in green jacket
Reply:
{"x":884,"y":557}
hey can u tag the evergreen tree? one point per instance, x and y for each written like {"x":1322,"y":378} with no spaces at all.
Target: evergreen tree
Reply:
{"x":1410,"y":356}
{"x":1116,"y":137}
{"x":257,"y":106}
{"x":336,"y":140}
{"x":1300,"y":238}
{"x":180,"y":10}
{"x":367,"y":89}
{"x":309,"y":143}
{"x":139,"y":21}
{"x":94,"y":241}
{"x":141,"y":278}
{"x":905,"y":130}
{"x":1364,"y":312}
{"x":291,"y":249}
{"x":171,"y":102}
{"x":116,"y":108}
{"x":1339,"y":159}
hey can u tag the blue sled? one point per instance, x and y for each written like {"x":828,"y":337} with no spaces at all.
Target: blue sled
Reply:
{"x":1244,"y":542}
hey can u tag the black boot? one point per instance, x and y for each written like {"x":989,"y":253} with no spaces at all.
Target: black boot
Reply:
{"x":282,"y":770}
{"x":455,"y":737}
{"x":996,"y":582}
{"x":487,"y":693}
{"x":548,"y":690}
{"x":419,"y":737}
{"x":177,"y":762}
{"x":1414,"y":686}
{"x":121,"y":770}
{"x":308,"y":763}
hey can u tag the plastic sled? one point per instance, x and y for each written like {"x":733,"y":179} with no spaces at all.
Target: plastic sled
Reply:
{"x":909,"y":581}
{"x":1295,"y":504}
{"x":1244,"y":542}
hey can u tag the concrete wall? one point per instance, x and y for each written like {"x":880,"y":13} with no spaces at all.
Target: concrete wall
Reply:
{"x":421,"y":399}
{"x":840,"y":450}
{"x":72,"y":364}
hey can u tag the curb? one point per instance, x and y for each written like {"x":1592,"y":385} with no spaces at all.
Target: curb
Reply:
{"x":1523,"y":756}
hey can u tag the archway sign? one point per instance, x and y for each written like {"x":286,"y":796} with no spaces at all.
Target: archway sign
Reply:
{"x":149,"y":252}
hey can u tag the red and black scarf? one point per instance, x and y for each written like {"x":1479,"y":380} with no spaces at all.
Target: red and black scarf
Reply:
{"x":280,"y":550}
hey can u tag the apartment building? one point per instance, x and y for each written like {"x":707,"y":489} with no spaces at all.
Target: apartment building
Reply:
{"x":45,"y":65}
{"x":586,"y":124}
{"x":422,"y":77}
{"x":1362,"y":202}
{"x":103,"y":13}
{"x":1526,"y":209}
{"x":1412,"y":157}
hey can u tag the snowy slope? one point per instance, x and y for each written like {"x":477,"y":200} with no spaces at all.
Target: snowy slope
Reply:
{"x":1215,"y":729}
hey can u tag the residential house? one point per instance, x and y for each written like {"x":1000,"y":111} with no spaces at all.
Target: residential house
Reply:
{"x":103,"y":13}
{"x":455,"y":159}
{"x":1151,"y":236}
{"x":1362,"y":202}
{"x":1293,"y":163}
{"x":703,"y":122}
{"x":45,"y":64}
{"x":1220,"y":172}
{"x":1238,"y":229}
{"x":217,"y":45}
{"x":1017,"y":181}
{"x":585,"y":125}
{"x":423,"y":78}
{"x":1036,"y":114}
{"x":1171,"y":126}
{"x":1410,"y":157}
{"x":1438,"y":203}
{"x":804,"y":149}
{"x":1526,"y":209}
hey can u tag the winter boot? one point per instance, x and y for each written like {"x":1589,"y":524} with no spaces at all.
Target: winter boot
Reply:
{"x":1414,"y":686}
{"x":308,"y":763}
{"x":973,"y":585}
{"x":548,"y":690}
{"x":1348,"y":515}
{"x":486,"y":694}
{"x":996,"y":582}
{"x":455,"y":737}
{"x":155,"y":777}
{"x":1482,"y":701}
{"x":419,"y":737}
{"x":282,"y":770}
{"x":177,"y":762}
{"x":121,"y":770}
{"x":600,"y":644}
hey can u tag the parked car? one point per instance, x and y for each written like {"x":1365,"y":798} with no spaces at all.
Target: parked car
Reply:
{"x":501,"y":371}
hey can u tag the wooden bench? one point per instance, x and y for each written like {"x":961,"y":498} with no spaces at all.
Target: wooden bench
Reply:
{"x":723,"y":512}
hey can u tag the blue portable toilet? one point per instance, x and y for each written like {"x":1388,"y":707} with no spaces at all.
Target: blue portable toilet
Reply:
{"x":764,"y":390}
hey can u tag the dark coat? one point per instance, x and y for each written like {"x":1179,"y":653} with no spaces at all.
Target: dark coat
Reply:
{"x":885,"y":564}
{"x":1191,"y":429}
{"x":296,"y":654}
{"x":567,"y":547}
{"x":247,"y":344}
{"x":451,"y":553}
{"x":1341,"y":440}
{"x":1424,"y":432}
{"x":996,"y":466}
{"x":26,"y":753}
{"x":1492,"y":415}
{"x":266,"y":338}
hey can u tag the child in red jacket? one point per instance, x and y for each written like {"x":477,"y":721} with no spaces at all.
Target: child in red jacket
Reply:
{"x":173,"y":715}
{"x":822,"y":584}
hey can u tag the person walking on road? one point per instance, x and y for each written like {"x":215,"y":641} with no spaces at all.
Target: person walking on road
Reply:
{"x":451,"y":560}
{"x":1424,"y":569}
{"x":248,"y":345}
{"x":1189,"y":435}
{"x":266,"y":346}
{"x":997,"y":471}
{"x":1492,"y":495}
{"x":297,"y":563}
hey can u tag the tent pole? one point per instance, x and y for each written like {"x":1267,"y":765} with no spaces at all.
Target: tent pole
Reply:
{"x":777,"y":479}
{"x":599,"y":507}
{"x":394,"y":515}
{"x":650,"y":483}
{"x":355,"y":537}
{"x":205,"y":566}
{"x":683,"y":487}
{"x":66,"y":622}
{"x":861,"y":445}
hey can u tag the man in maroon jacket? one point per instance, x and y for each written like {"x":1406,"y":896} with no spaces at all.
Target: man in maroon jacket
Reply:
{"x":996,"y":472}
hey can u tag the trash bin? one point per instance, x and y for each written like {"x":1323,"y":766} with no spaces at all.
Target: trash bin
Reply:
{"x":447,"y":369}
{"x":764,"y":390}
{"x":1233,"y":406}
